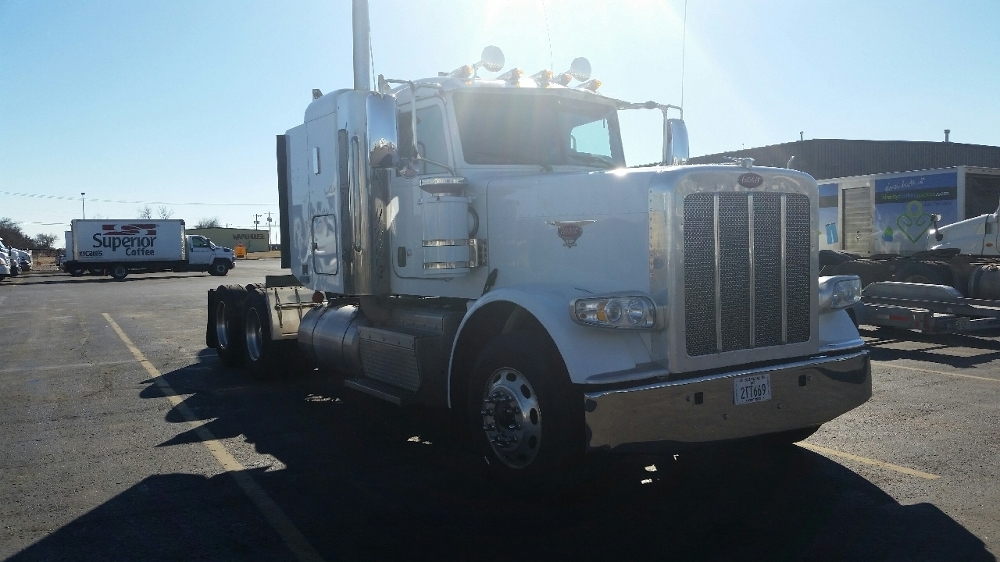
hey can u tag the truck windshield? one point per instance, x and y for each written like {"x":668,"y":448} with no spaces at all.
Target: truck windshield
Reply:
{"x":536,"y":128}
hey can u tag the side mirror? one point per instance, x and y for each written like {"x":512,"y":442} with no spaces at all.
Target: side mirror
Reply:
{"x":383,"y":138}
{"x":675,"y":142}
{"x":934,"y":222}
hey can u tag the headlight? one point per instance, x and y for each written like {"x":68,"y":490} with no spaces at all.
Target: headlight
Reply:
{"x":627,"y":312}
{"x":839,"y":291}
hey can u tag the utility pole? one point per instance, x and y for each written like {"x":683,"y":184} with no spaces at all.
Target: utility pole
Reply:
{"x":269,"y":230}
{"x":255,"y":221}
{"x":83,"y":201}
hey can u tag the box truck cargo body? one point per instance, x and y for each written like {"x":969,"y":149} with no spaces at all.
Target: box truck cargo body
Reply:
{"x":122,"y":245}
{"x":892,"y":213}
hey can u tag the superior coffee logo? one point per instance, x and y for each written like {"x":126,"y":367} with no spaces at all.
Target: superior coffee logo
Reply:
{"x":135,"y":239}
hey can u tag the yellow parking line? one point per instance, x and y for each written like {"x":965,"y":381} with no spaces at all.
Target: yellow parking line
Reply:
{"x":939,"y":372}
{"x":873,"y":462}
{"x":280,"y":522}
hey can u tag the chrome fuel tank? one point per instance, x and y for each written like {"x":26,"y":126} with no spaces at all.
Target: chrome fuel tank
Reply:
{"x":329,"y":337}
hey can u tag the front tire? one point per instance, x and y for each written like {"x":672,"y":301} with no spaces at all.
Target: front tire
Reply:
{"x":218,"y":269}
{"x":524,"y":417}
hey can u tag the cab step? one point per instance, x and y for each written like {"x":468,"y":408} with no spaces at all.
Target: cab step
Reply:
{"x":378,"y":389}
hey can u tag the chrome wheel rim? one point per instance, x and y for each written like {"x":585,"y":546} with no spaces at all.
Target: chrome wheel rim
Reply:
{"x":254,"y":336}
{"x":512,"y":418}
{"x":221,"y":334}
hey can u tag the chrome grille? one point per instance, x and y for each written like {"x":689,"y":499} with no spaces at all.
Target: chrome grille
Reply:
{"x":738,"y":295}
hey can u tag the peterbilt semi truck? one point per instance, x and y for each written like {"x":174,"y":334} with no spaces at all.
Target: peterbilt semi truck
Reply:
{"x":480,"y":244}
{"x":120,"y":246}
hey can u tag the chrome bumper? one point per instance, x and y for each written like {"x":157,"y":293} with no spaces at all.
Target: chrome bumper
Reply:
{"x":680,"y":413}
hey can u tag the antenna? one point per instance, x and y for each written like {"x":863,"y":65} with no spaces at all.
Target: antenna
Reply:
{"x":549,"y":35}
{"x":684,"y":53}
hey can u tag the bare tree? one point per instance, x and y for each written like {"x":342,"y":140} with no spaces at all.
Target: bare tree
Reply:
{"x":12,"y":234}
{"x":212,"y":222}
{"x":44,"y":241}
{"x":145,"y":212}
{"x":164,"y":213}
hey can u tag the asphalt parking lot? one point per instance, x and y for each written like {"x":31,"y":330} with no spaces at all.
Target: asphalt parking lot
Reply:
{"x":122,"y":438}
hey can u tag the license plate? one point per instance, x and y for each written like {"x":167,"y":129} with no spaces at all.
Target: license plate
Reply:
{"x":752,"y":388}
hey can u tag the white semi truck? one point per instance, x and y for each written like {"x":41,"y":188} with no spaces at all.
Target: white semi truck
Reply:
{"x":480,"y":245}
{"x":894,"y":225}
{"x":118,"y":246}
{"x":902,"y":231}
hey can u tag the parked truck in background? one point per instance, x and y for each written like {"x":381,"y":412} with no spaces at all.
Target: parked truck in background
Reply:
{"x":120,"y":246}
{"x":480,"y":245}
{"x":894,"y":225}
{"x":901,"y":231}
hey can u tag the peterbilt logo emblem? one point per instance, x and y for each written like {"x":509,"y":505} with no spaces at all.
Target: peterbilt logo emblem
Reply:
{"x":751,"y":180}
{"x":569,"y":231}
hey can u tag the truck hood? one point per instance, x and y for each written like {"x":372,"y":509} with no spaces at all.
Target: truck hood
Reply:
{"x":966,"y":235}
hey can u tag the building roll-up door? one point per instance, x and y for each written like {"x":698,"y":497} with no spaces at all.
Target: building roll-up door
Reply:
{"x":858,"y":220}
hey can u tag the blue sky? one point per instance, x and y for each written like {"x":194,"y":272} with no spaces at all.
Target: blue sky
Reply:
{"x":178,"y":102}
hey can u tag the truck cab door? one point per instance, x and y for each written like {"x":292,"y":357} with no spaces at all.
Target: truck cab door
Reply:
{"x":325,"y":250}
{"x":199,"y":251}
{"x":406,"y":227}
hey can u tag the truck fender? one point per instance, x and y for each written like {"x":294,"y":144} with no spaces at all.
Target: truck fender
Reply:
{"x":585,"y":350}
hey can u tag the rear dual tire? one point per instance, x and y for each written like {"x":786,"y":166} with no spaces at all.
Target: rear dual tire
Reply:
{"x":228,"y":324}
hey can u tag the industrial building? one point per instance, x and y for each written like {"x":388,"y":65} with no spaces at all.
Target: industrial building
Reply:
{"x":838,"y":158}
{"x":252,"y":240}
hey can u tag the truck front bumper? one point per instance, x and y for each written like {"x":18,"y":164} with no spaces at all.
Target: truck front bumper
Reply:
{"x":673,"y":415}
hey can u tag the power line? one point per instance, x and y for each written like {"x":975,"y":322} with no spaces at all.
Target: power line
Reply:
{"x":71,"y":198}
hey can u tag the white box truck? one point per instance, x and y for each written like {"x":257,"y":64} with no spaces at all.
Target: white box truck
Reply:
{"x":118,"y":246}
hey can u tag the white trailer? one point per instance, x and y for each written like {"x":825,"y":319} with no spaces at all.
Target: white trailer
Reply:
{"x":480,"y":244}
{"x":118,"y":246}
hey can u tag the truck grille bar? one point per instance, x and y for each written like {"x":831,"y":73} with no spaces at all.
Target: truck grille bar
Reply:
{"x":746,"y":271}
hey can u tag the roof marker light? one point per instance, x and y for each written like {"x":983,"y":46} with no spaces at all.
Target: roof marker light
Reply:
{"x":563,"y":79}
{"x":542,"y":77}
{"x":512,"y":76}
{"x":591,"y":85}
{"x":463,"y":72}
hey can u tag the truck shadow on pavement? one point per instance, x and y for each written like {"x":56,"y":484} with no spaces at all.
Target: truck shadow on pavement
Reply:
{"x":893,"y":344}
{"x":366,"y":480}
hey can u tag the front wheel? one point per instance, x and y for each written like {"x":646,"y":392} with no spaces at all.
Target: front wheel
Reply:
{"x":524,"y":417}
{"x":218,"y":269}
